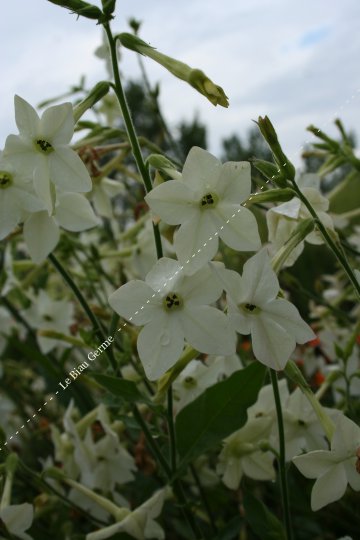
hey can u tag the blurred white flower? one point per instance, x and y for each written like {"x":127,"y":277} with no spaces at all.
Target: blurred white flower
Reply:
{"x":42,"y":151}
{"x":140,"y":523}
{"x":102,"y":193}
{"x":336,"y":468}
{"x":174,"y":307}
{"x":242,"y":454}
{"x":275,"y":324}
{"x":48,"y":314}
{"x":18,"y":519}
{"x":283,"y":219}
{"x":206,"y":202}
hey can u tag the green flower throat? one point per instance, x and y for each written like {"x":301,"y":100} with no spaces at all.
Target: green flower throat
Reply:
{"x":6,"y":179}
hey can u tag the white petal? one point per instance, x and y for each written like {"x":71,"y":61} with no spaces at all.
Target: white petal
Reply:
{"x":10,"y":214}
{"x":346,"y":437}
{"x":287,"y":316}
{"x":272,"y":345}
{"x":203,"y":287}
{"x":57,"y":124}
{"x":75,"y":213}
{"x":27,"y":119}
{"x":353,"y":477}
{"x":196,"y":242}
{"x":164,"y":275}
{"x":229,"y":280}
{"x":22,"y":153}
{"x":201,"y":169}
{"x":160,"y":344}
{"x":101,"y":202}
{"x":136,"y":302}
{"x":41,"y":235}
{"x":208,"y":330}
{"x":259,"y":282}
{"x":173,"y":201}
{"x":17,"y":517}
{"x":67,"y":170}
{"x":42,"y":185}
{"x":112,"y":187}
{"x":314,"y":463}
{"x":235,"y":182}
{"x":259,"y":466}
{"x":239,"y":321}
{"x":308,"y":180}
{"x":290,"y":209}
{"x":237,"y":226}
{"x":26,"y":200}
{"x":330,"y":487}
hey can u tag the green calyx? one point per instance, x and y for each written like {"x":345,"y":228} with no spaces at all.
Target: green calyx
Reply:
{"x":43,"y":146}
{"x":209,"y":200}
{"x":172,"y":301}
{"x":6,"y":179}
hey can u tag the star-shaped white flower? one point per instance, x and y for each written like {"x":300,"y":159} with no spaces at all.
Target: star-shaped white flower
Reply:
{"x":72,"y":212}
{"x":206,"y":202}
{"x":275,"y":324}
{"x":174,"y":307}
{"x":16,"y":197}
{"x":336,"y":468}
{"x":42,"y":151}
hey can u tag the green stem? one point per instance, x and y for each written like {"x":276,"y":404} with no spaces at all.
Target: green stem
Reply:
{"x":282,"y":466}
{"x":204,"y":499}
{"x":172,"y":437}
{"x":96,"y":325}
{"x":330,"y":242}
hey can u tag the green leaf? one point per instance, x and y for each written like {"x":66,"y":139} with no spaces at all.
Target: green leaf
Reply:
{"x":261,"y":520}
{"x":126,"y":390}
{"x":218,"y":412}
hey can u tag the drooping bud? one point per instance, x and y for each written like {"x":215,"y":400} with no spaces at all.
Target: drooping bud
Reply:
{"x":286,"y":169}
{"x":80,"y":8}
{"x":98,"y":92}
{"x":163,"y":164}
{"x":195,"y":77}
{"x":271,"y":195}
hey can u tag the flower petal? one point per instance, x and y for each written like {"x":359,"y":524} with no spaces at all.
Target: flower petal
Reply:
{"x":42,"y":185}
{"x":330,"y":487}
{"x":314,"y":463}
{"x":173,"y":201}
{"x":196,"y":242}
{"x":18,"y":517}
{"x":164,"y":276}
{"x":287,"y":316}
{"x":41,"y":235}
{"x":160,"y":344}
{"x":259,"y":282}
{"x":234,"y":185}
{"x":57,"y":124}
{"x":201,"y":169}
{"x":67,"y":170}
{"x":10,"y":214}
{"x":203,"y":287}
{"x":259,"y":466}
{"x":23,"y":154}
{"x":136,"y":302}
{"x":346,"y":437}
{"x":208,"y":330}
{"x":237,"y":226}
{"x":75,"y":213}
{"x":272,"y":345}
{"x":27,"y":119}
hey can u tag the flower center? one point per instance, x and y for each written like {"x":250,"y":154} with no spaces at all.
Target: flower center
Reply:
{"x":5,"y":179}
{"x":172,"y":301}
{"x":209,"y":200}
{"x":189,"y":382}
{"x":250,"y":308}
{"x":44,"y":146}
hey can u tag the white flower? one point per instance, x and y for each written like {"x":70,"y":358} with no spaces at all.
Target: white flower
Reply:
{"x":207,"y":203}
{"x":242,"y":454}
{"x":140,"y":523}
{"x":334,"y":468}
{"x":18,"y":519}
{"x":16,"y":197}
{"x":42,"y":150}
{"x":174,"y":307}
{"x":275,"y":324}
{"x":265,"y":403}
{"x":48,"y":314}
{"x":72,"y":212}
{"x":103,"y":190}
{"x":283,"y":219}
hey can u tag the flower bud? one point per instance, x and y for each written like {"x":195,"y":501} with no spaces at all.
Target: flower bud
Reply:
{"x":163,"y":164}
{"x":304,"y":228}
{"x":195,"y":77}
{"x":286,"y":168}
{"x":269,"y":170}
{"x":98,"y":92}
{"x":271,"y":195}
{"x":108,"y":7}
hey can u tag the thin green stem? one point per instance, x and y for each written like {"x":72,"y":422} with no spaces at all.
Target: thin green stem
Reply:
{"x":282,"y":466}
{"x":172,"y":437}
{"x":341,"y":257}
{"x":96,"y":325}
{"x":204,"y":499}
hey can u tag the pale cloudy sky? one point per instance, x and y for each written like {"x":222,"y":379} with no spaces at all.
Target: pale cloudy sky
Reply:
{"x":296,"y":61}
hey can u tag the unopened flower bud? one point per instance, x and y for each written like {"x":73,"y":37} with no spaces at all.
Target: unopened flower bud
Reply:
{"x":163,"y":164}
{"x":286,"y":168}
{"x":80,"y":8}
{"x":108,"y":6}
{"x":271,"y":195}
{"x":98,"y":92}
